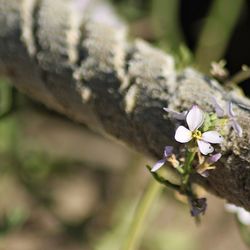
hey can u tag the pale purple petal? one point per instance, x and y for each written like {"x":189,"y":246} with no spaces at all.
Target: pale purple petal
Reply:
{"x":236,"y":126}
{"x":176,"y":115}
{"x":212,"y":137}
{"x":168,"y":150}
{"x":198,"y":206}
{"x":214,"y":158}
{"x":195,"y":118}
{"x":158,"y":165}
{"x":230,"y":111}
{"x":218,"y":109}
{"x":204,"y":173}
{"x":183,"y":135}
{"x":205,"y":147}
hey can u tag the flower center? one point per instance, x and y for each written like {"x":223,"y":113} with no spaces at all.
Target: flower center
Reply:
{"x":197,"y":134}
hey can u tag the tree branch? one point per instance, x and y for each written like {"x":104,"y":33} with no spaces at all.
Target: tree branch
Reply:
{"x":78,"y":62}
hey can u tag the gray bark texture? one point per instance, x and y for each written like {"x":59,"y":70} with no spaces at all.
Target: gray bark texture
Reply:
{"x":74,"y":57}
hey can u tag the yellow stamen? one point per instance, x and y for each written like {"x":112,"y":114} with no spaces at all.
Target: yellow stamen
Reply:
{"x":197,"y":134}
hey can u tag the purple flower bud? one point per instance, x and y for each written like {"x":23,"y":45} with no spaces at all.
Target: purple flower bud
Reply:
{"x":214,"y":158}
{"x":198,"y":206}
{"x":168,"y":151}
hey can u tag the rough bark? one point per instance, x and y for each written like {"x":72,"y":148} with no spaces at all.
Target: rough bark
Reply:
{"x":78,"y":62}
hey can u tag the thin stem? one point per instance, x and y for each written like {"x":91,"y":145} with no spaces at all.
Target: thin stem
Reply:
{"x":238,"y":78}
{"x":164,"y":181}
{"x":138,"y":225}
{"x":188,"y":167}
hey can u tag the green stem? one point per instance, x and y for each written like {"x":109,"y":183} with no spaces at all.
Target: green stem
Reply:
{"x":138,"y":225}
{"x":188,"y":167}
{"x":163,"y":181}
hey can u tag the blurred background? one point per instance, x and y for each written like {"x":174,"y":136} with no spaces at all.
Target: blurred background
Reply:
{"x":65,"y":187}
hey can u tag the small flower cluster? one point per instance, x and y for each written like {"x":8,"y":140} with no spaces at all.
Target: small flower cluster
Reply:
{"x":202,"y":131}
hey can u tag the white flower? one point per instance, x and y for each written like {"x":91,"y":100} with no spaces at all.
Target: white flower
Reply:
{"x":195,"y":119}
{"x":242,"y":214}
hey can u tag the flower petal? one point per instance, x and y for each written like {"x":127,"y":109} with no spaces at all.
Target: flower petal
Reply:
{"x":176,"y":115}
{"x":218,"y":109}
{"x":204,"y":173}
{"x":243,"y":216}
{"x":195,"y":118}
{"x":236,"y":126}
{"x":230,"y":111}
{"x":231,"y":208}
{"x":205,"y":147}
{"x":158,"y":165}
{"x":212,"y":137}
{"x":168,"y":150}
{"x":183,"y":135}
{"x":214,"y":158}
